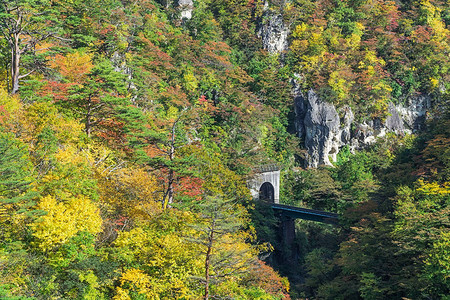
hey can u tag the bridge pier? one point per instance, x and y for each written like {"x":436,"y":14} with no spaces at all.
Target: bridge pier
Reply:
{"x":287,"y":230}
{"x":289,"y":251}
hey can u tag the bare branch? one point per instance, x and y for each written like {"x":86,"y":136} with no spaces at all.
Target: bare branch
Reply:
{"x":61,"y":38}
{"x":163,"y":151}
{"x":25,"y":75}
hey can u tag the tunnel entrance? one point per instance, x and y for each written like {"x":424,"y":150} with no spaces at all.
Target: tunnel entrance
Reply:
{"x":267,"y":192}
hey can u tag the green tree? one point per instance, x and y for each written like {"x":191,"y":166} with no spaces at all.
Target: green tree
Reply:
{"x":97,"y":98}
{"x":16,"y":176}
{"x":422,"y":221}
{"x":16,"y":208}
{"x":24,"y":24}
{"x":222,"y":240}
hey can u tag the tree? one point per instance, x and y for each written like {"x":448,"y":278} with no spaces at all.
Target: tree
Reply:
{"x":222,"y":240}
{"x":97,"y":97}
{"x":64,"y":220}
{"x":421,"y":227}
{"x":24,"y":24}
{"x":16,"y":177}
{"x":130,"y":194}
{"x":155,"y":258}
{"x":264,"y":277}
{"x":167,"y":146}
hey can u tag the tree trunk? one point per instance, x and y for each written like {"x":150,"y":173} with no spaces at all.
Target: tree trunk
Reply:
{"x":87,"y":123}
{"x":171,"y":177}
{"x":206,"y":296}
{"x":15,"y":65}
{"x":171,"y":172}
{"x":168,"y":197}
{"x":208,"y":260}
{"x":12,"y":29}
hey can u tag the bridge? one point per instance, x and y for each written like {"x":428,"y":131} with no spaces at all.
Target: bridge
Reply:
{"x":265,"y":186}
{"x":295,"y":212}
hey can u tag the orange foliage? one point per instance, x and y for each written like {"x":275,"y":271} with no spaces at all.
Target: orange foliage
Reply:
{"x":73,"y":66}
{"x":154,"y":56}
{"x":175,"y":96}
{"x":111,"y":132}
{"x":152,"y":151}
{"x":56,"y":90}
{"x":270,"y":281}
{"x":191,"y":187}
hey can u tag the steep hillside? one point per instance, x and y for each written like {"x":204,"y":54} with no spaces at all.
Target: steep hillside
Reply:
{"x":129,"y":130}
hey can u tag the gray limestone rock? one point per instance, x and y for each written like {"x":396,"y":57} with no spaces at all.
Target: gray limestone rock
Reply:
{"x":274,"y":32}
{"x":394,"y":122}
{"x":346,"y":122}
{"x":414,"y":112}
{"x":186,"y":7}
{"x":363,"y":135}
{"x":324,"y":133}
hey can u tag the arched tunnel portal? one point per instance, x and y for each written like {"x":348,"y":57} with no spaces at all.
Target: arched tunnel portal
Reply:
{"x":267,"y":192}
{"x":265,"y":184}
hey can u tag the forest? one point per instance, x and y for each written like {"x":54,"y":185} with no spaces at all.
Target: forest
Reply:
{"x":129,"y":130}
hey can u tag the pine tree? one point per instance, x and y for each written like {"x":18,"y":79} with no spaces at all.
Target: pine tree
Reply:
{"x":24,"y":24}
{"x":96,"y":100}
{"x":15,"y":176}
{"x":222,"y":239}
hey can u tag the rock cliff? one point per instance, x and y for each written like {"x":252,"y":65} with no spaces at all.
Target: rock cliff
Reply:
{"x":273,"y":32}
{"x":186,"y":7}
{"x":324,"y":132}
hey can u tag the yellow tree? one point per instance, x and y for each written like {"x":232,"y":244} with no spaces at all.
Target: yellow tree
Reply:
{"x":63,"y":220}
{"x":157,"y":262}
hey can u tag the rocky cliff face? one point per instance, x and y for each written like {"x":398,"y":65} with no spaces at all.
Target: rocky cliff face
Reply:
{"x":318,"y":124}
{"x":324,"y":133}
{"x":273,"y":32}
{"x":414,"y":112}
{"x":186,"y":7}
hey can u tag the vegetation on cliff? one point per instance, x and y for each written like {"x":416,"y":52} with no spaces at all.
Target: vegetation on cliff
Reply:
{"x":127,"y":135}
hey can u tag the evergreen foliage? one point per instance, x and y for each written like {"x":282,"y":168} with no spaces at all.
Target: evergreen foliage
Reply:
{"x":127,"y":136}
